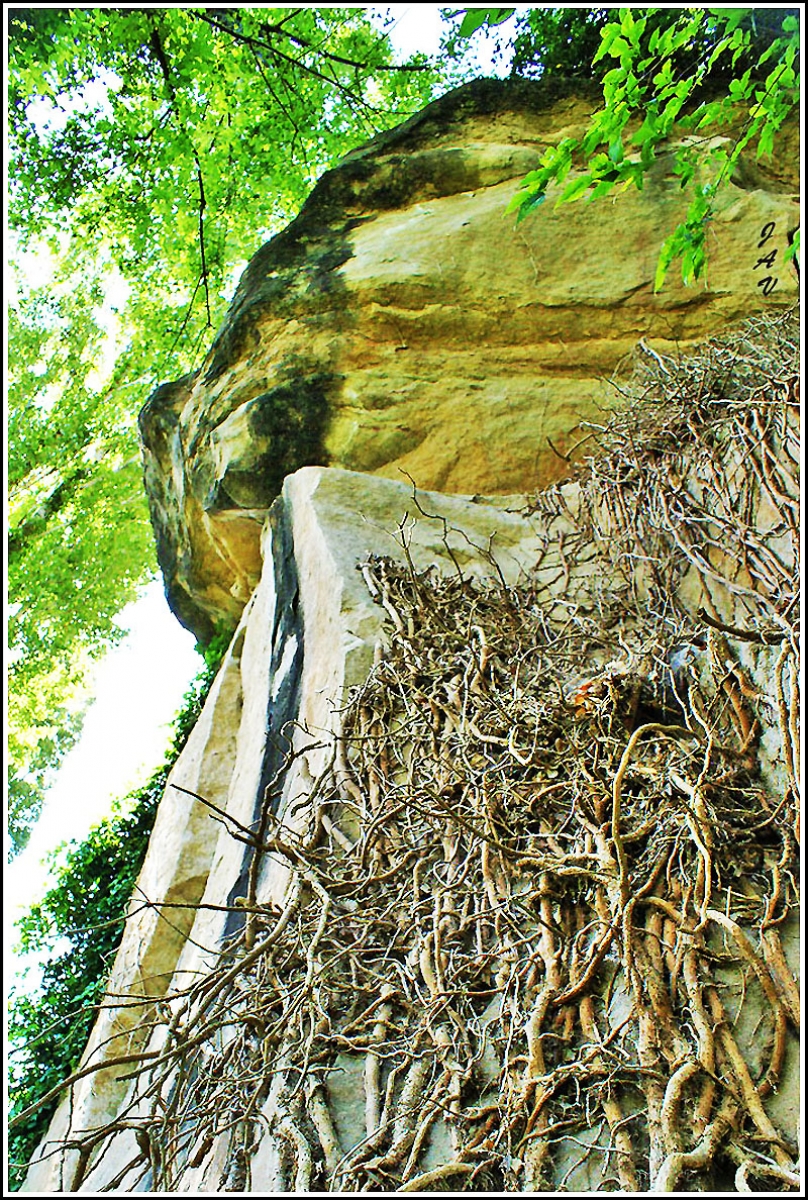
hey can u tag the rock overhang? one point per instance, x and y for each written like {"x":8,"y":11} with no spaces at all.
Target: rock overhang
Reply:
{"x":401,"y":325}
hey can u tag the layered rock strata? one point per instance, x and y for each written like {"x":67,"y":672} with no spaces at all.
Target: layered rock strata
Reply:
{"x":403,"y":326}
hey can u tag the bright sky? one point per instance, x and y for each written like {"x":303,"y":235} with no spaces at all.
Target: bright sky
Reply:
{"x":419,"y":27}
{"x":139,"y":686}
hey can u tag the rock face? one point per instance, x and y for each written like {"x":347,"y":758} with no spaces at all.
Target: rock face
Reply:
{"x":402,"y":326}
{"x":476,"y":872}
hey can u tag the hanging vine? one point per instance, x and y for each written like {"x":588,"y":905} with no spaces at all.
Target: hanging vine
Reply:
{"x":534,"y":922}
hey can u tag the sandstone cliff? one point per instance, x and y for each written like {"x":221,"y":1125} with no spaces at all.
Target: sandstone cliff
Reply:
{"x":402,"y":324}
{"x":477,"y":872}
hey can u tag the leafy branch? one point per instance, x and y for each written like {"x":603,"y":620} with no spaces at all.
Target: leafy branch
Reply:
{"x":156,"y":44}
{"x":259,"y":44}
{"x":655,"y":80}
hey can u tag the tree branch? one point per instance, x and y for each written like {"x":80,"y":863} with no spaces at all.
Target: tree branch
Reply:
{"x":305,"y":44}
{"x":156,"y":45}
{"x":36,"y":524}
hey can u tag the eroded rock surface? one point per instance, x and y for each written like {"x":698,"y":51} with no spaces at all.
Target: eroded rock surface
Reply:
{"x":402,"y":324}
{"x":495,"y":804}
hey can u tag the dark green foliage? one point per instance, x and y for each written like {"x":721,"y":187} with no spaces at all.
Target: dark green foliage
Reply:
{"x":80,"y":923}
{"x":557,"y":41}
{"x":213,"y":654}
{"x":564,"y":41}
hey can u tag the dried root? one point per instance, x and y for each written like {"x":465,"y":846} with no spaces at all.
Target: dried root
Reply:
{"x":539,"y":902}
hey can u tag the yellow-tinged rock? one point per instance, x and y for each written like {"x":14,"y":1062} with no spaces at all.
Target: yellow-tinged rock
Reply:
{"x":402,"y":325}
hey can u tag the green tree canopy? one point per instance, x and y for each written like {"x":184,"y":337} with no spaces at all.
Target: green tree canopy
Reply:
{"x":565,"y":41}
{"x":152,"y":150}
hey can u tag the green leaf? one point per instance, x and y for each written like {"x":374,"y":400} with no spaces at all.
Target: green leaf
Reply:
{"x":649,"y":129}
{"x":528,"y":205}
{"x":741,"y":89}
{"x":475,"y":18}
{"x":525,"y":201}
{"x":723,"y":45}
{"x":666,"y":255}
{"x":611,"y":84}
{"x":616,"y":150}
{"x":620,"y":48}
{"x":603,"y":187}
{"x":517,"y":200}
{"x":607,"y":37}
{"x":592,"y":139}
{"x":710,"y":113}
{"x":575,"y":189}
{"x":664,"y":75}
{"x":793,"y":250}
{"x":766,"y":140}
{"x":730,"y":17}
{"x":775,"y":49}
